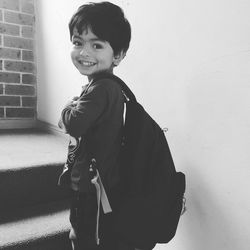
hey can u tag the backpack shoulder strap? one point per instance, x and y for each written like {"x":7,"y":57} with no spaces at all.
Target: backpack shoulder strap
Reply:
{"x":129,"y":95}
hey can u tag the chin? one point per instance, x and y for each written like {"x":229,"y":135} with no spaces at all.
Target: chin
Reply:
{"x":83,"y":72}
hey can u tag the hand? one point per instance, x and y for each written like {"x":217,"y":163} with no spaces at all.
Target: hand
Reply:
{"x":75,"y":98}
{"x":73,"y":102}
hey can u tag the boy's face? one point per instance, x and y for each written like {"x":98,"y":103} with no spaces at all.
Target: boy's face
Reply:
{"x":91,"y":55}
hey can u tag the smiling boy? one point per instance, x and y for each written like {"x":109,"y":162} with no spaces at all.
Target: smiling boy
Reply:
{"x":100,"y":35}
{"x":92,"y":55}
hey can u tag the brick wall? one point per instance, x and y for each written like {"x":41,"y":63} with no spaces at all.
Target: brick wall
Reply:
{"x":17,"y":64}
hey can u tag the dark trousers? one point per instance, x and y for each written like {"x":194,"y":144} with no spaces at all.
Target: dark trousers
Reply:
{"x":83,"y":218}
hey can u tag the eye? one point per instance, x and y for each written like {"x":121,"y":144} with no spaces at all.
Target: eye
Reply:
{"x":76,"y":43}
{"x":97,"y":46}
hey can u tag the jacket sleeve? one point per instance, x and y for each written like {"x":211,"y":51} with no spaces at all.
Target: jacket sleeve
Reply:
{"x":77,"y":119}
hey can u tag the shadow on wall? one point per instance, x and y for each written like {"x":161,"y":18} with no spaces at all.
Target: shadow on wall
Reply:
{"x":208,"y":226}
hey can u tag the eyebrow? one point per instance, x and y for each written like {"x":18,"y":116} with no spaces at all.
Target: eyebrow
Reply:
{"x":92,"y":39}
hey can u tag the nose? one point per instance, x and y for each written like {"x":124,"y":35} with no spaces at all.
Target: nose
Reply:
{"x":84,"y":51}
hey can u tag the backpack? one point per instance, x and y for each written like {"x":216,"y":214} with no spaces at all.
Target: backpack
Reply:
{"x":153,"y":192}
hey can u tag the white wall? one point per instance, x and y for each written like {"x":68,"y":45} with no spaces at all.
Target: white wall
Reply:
{"x":189,"y":65}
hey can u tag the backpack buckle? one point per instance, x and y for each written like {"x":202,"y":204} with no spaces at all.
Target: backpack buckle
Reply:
{"x":165,"y":130}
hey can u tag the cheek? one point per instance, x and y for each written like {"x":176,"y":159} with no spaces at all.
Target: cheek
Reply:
{"x":73,"y":55}
{"x":108,"y":58}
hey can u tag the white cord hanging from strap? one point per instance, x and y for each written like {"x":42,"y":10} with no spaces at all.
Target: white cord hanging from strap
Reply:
{"x":101,"y":199}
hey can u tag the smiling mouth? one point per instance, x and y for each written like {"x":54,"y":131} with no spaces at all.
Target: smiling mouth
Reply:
{"x":86,"y":63}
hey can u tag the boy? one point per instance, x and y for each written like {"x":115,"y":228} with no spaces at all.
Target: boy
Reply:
{"x":100,"y":35}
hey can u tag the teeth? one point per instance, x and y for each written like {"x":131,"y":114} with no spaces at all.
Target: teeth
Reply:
{"x":84,"y":63}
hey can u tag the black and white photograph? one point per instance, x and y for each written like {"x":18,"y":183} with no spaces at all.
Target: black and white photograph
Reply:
{"x":124,"y":125}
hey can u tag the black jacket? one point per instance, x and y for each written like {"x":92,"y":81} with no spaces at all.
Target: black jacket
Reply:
{"x":94,"y":123}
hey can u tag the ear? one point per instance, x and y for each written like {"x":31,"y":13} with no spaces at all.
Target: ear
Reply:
{"x":118,"y":58}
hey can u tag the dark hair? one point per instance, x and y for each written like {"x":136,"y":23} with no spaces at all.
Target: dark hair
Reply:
{"x":106,"y":21}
